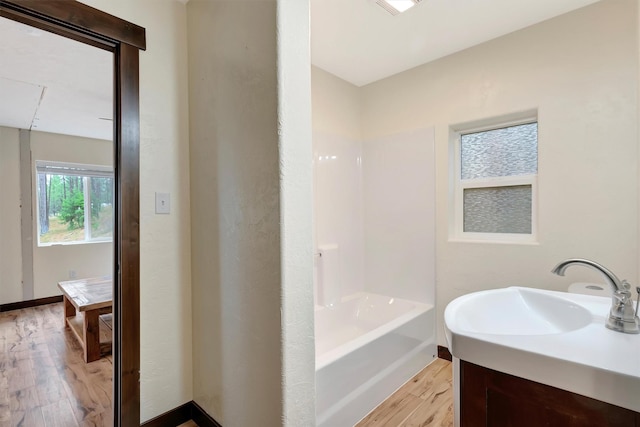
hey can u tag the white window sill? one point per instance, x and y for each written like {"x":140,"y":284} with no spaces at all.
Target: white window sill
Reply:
{"x":91,"y":242}
{"x":490,"y":241}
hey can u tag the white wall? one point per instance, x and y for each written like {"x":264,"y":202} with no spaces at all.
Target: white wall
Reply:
{"x":338,"y":215}
{"x":10,"y":238}
{"x":399,"y":215}
{"x":338,"y":202}
{"x":165,"y":245}
{"x":374,"y":199}
{"x":296,"y":213}
{"x":251,"y":185}
{"x":580,"y":72}
{"x":52,"y":264}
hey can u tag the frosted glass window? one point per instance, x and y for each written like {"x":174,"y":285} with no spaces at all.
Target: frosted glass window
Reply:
{"x":500,"y":152}
{"x":498,"y":209}
{"x":495,"y":197}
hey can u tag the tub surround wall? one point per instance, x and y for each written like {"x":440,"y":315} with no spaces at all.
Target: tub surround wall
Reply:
{"x":399,"y":215}
{"x":338,"y":207}
{"x":586,"y":95}
{"x":374,"y":217}
{"x":373,"y":199}
{"x":339,"y":216}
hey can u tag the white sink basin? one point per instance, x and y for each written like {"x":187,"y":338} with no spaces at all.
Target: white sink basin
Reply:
{"x":553,"y":338}
{"x":515,"y":311}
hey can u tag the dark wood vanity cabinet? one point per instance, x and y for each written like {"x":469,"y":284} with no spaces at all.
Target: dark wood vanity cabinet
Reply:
{"x":490,"y":398}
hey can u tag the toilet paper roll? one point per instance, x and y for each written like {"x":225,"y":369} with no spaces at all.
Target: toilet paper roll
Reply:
{"x":599,"y":289}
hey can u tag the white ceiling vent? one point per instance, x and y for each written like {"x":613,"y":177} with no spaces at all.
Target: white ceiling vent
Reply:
{"x":395,"y":7}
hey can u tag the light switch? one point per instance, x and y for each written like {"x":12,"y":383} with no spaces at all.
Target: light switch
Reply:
{"x":163,"y":203}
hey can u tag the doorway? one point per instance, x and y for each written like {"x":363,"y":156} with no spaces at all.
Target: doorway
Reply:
{"x":100,"y":30}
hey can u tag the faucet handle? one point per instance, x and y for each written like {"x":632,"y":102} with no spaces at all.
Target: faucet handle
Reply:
{"x":626,"y":284}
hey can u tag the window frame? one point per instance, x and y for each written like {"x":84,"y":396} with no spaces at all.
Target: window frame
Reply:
{"x":457,"y":232}
{"x":86,"y":171}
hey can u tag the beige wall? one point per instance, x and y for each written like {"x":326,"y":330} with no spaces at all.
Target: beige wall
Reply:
{"x":165,"y":276}
{"x":580,"y":72}
{"x":251,"y":211}
{"x":10,"y":238}
{"x":336,"y":105}
{"x":236,"y":238}
{"x":52,"y":264}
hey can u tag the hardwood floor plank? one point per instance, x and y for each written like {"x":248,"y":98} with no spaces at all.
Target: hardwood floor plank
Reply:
{"x":425,"y":400}
{"x":102,"y":382}
{"x":30,"y":418}
{"x":20,"y":378}
{"x":25,"y":399}
{"x":43,"y":367}
{"x":393,"y":411}
{"x":51,"y":391}
{"x":82,"y":395}
{"x":5,"y":399}
{"x":43,"y":378}
{"x":59,"y":415}
{"x":425,"y":380}
{"x":431,"y":415}
{"x":5,"y":415}
{"x":438,"y":388}
{"x":98,"y":419}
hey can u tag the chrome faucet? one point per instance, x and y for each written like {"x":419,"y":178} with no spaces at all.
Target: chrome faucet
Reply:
{"x":622,"y":316}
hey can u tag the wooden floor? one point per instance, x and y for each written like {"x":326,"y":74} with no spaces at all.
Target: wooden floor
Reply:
{"x":45,"y":382}
{"x":43,"y":378}
{"x":426,"y":400}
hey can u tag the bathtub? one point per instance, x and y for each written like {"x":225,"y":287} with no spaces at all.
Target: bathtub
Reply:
{"x":367,"y":346}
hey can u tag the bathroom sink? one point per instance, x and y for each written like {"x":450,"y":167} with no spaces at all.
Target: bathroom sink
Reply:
{"x":515,"y":311}
{"x":553,"y":338}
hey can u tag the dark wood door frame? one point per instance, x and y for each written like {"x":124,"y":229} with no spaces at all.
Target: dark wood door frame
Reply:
{"x":80,"y":22}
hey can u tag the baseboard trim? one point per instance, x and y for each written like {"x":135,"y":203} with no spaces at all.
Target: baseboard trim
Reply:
{"x":443,"y":353}
{"x":201,"y":417}
{"x":30,"y":303}
{"x":174,"y":417}
{"x":183,"y":413}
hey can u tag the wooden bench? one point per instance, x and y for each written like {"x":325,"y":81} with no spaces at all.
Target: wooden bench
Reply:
{"x":87,"y":311}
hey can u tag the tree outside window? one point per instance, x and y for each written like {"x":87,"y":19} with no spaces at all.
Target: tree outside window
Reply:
{"x":75,"y":203}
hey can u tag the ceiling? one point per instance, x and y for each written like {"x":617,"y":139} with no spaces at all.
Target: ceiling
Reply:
{"x":360,"y":42}
{"x":53,"y":84}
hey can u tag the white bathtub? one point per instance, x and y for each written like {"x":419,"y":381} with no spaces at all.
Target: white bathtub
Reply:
{"x":366,"y":347}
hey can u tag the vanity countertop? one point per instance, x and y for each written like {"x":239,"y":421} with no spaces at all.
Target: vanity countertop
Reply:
{"x":591,"y":360}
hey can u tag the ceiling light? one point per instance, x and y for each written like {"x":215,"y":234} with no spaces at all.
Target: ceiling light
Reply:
{"x":396,"y":7}
{"x":401,"y":5}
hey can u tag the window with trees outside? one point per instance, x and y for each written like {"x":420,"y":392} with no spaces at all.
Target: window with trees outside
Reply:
{"x":74,"y":203}
{"x":495,"y":185}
